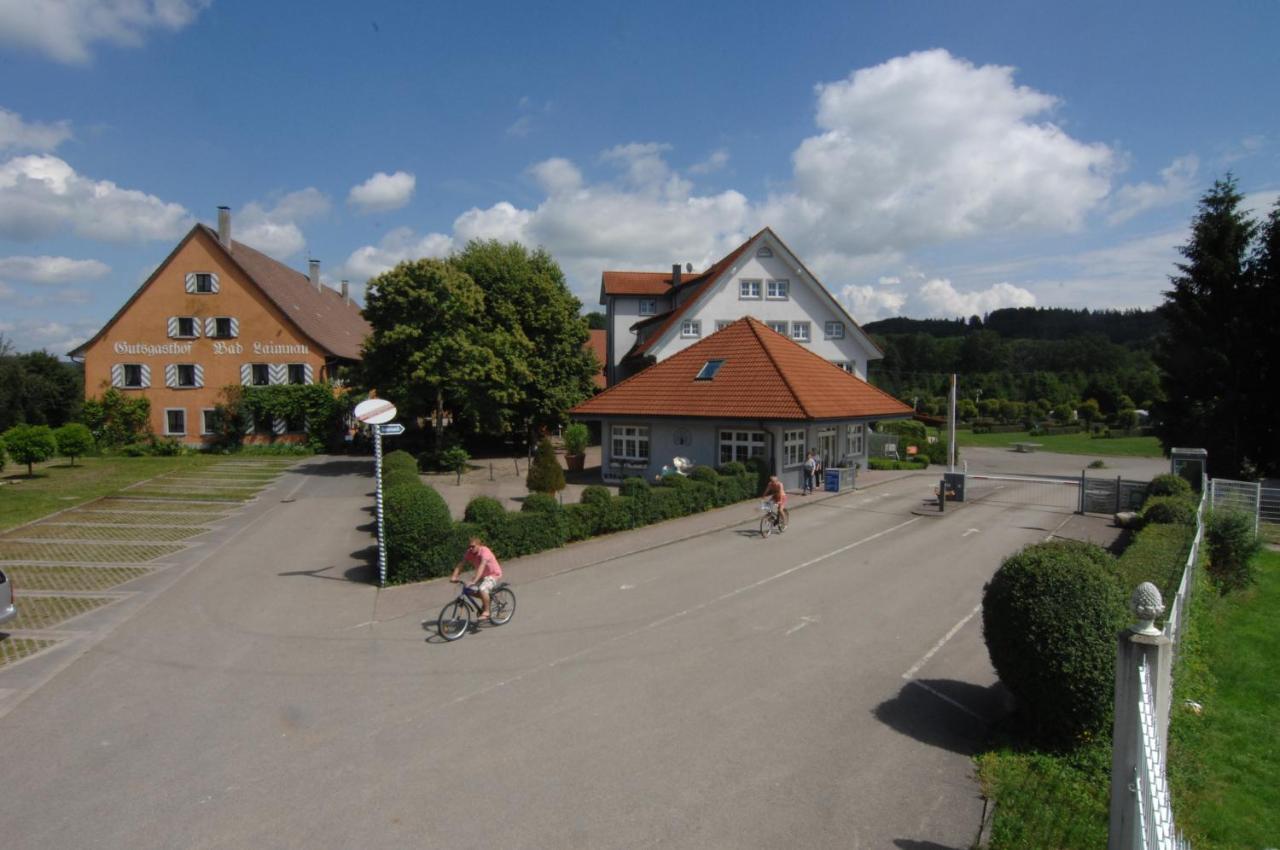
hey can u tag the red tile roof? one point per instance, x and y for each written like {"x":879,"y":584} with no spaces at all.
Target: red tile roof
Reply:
{"x":636,"y":283}
{"x":319,"y":312}
{"x":596,"y":344}
{"x":765,"y":376}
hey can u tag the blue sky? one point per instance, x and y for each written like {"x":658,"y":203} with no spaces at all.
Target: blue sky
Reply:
{"x":923,"y":158}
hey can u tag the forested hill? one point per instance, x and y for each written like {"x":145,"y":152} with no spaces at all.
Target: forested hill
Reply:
{"x":1124,"y":327}
{"x":1048,"y":355}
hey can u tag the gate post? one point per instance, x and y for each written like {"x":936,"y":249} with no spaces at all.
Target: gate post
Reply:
{"x":1083,"y":484}
{"x":1117,"y":510}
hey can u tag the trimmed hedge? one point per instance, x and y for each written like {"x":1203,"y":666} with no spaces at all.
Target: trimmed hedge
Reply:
{"x":399,"y":467}
{"x":423,"y":543}
{"x":1169,"y":509}
{"x":1156,"y":554}
{"x":890,"y":463}
{"x":1050,"y":615}
{"x":1169,"y":485}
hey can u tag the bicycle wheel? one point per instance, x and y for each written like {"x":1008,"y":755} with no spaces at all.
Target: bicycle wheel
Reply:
{"x":502,"y":604}
{"x":455,"y":619}
{"x":767,"y":522}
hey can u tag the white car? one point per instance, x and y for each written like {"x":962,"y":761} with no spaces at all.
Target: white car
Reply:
{"x":7,"y":609}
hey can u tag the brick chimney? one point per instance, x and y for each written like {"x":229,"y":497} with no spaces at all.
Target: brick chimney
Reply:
{"x":675,"y":275}
{"x":315,"y":273}
{"x":346,"y":292}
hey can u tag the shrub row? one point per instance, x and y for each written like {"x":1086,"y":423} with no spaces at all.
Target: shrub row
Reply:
{"x":1156,"y":554}
{"x":423,"y":542}
{"x":890,"y":463}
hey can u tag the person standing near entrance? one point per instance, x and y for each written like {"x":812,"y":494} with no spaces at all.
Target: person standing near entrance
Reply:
{"x":810,"y":473}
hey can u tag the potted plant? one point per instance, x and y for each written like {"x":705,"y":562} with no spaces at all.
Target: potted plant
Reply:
{"x":575,"y":446}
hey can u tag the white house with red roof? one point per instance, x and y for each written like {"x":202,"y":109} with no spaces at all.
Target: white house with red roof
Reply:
{"x":653,"y":315}
{"x":744,"y":391}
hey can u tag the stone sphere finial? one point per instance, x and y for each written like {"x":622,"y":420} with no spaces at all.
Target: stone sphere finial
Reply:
{"x":1146,"y":605}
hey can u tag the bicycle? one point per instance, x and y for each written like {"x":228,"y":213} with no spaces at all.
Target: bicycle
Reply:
{"x":462,"y":614}
{"x":773,"y":519}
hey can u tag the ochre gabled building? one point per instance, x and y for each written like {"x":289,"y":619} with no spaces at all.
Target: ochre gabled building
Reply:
{"x":216,"y":313}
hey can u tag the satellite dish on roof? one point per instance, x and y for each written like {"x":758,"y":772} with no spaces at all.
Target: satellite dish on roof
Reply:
{"x":688,"y":267}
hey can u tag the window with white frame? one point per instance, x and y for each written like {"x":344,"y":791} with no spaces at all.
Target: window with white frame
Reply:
{"x":133,"y":377}
{"x":833,"y":330}
{"x":749,"y":290}
{"x":793,"y":447}
{"x":209,"y":421}
{"x":846,"y":365}
{"x":800,"y":331}
{"x":630,"y":443}
{"x":741,"y":445}
{"x":779,"y":327}
{"x":853,"y":440}
{"x":691,"y":328}
{"x":224,"y":327}
{"x":778,"y":290}
{"x":175,"y":421}
{"x":648,"y":306}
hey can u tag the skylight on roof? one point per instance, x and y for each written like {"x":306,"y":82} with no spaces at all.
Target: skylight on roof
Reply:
{"x":709,"y":370}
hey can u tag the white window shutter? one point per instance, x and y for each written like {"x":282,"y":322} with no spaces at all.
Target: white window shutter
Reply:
{"x":210,"y":326}
{"x":173,"y":326}
{"x":191,"y":282}
{"x":213,"y":279}
{"x":171,"y":375}
{"x":278,"y":425}
{"x":117,"y":374}
{"x":146,"y":375}
{"x":278,"y":373}
{"x":306,"y":373}
{"x":199,"y":375}
{"x":235,"y":327}
{"x":246,"y":374}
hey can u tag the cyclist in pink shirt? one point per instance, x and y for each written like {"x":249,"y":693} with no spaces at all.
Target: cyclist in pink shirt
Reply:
{"x":488,"y":571}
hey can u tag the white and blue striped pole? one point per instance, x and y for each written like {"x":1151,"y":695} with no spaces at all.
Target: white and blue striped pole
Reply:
{"x":382,"y":537}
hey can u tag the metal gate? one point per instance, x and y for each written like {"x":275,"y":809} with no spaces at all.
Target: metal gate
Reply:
{"x":1112,"y":495}
{"x":1252,"y":498}
{"x":1047,"y":492}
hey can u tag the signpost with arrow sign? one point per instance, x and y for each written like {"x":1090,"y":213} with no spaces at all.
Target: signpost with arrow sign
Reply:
{"x":377,"y":413}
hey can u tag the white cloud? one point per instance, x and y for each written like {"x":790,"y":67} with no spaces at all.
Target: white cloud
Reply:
{"x":556,"y":176}
{"x":866,"y":303}
{"x":383,"y":192}
{"x":41,"y":194}
{"x":890,"y":281}
{"x":716,"y":161}
{"x":1177,"y":183}
{"x":943,"y":300}
{"x":52,"y":270}
{"x":39,"y":334}
{"x":397,"y":246}
{"x":64,"y":30}
{"x":16,"y":134}
{"x":928,"y":148}
{"x":275,"y":231}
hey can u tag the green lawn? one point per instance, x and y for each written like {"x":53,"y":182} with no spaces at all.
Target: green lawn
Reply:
{"x":1072,"y":444}
{"x":59,"y":485}
{"x":1225,"y":760}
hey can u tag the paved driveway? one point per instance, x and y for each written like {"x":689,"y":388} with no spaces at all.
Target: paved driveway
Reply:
{"x":825,"y":688}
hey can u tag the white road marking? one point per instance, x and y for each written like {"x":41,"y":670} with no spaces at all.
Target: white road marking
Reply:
{"x":972,"y":531}
{"x":627,"y":587}
{"x":804,"y":621}
{"x":662,"y":621}
{"x":937,"y":646}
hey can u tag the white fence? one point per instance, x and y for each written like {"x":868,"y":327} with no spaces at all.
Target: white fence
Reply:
{"x":1250,"y":497}
{"x":1141,"y":813}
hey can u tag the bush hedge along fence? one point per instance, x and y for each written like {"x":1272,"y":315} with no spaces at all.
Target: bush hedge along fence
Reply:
{"x":423,"y":542}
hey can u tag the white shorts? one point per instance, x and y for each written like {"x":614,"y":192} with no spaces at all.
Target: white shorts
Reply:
{"x":486,"y":584}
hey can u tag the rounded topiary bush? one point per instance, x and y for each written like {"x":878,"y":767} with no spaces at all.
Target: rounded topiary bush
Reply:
{"x":1169,"y":509}
{"x":733,"y":467}
{"x":540,"y":502}
{"x":704,"y":473}
{"x":545,"y":475}
{"x":1169,"y":485}
{"x":399,"y":467}
{"x":595,"y":494}
{"x":418,"y":529}
{"x":485,"y":512}
{"x":1050,"y":616}
{"x":635,"y":488}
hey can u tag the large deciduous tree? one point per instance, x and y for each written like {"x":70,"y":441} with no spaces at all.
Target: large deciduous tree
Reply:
{"x":1215,"y":358}
{"x":491,"y":334}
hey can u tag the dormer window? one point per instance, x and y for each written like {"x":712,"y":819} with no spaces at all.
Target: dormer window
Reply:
{"x":648,"y":306}
{"x":708,"y":370}
{"x":691,"y":328}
